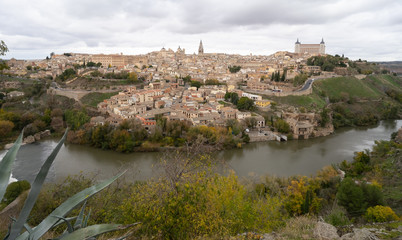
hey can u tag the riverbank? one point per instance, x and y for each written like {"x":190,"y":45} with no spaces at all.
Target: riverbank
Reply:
{"x":303,"y":157}
{"x":207,"y":204}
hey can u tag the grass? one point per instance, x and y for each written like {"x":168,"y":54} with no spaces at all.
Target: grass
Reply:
{"x":92,"y":99}
{"x":385,"y":81}
{"x":336,"y":88}
{"x":311,"y":101}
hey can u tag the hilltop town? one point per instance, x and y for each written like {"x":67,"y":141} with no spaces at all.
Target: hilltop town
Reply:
{"x":202,"y":89}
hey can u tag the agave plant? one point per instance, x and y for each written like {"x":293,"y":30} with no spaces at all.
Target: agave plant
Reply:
{"x":79,"y":230}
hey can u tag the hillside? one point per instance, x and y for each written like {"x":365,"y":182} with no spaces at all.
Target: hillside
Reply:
{"x":343,"y":87}
{"x":338,"y":89}
{"x":395,"y":66}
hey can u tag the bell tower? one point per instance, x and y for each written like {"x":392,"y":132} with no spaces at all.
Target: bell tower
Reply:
{"x":297,"y":46}
{"x":201,"y":48}
{"x":322,"y":47}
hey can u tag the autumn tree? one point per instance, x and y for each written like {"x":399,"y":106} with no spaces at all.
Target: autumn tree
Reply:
{"x":132,"y":77}
{"x":6,"y":128}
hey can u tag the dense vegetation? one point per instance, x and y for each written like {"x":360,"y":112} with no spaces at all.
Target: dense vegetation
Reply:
{"x":234,"y":69}
{"x":328,"y":62}
{"x":131,"y":136}
{"x":243,"y":103}
{"x":189,"y":199}
{"x":92,"y":99}
{"x":352,"y":101}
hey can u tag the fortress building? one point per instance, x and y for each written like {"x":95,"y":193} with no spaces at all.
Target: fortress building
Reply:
{"x":313,"y":49}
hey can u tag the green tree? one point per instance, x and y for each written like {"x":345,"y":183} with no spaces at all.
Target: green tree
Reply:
{"x":121,"y":141}
{"x":234,"y":69}
{"x":283,"y":78}
{"x":282,"y":126}
{"x":14,"y":190}
{"x":91,"y":64}
{"x":196,"y":84}
{"x":324,"y":117}
{"x":76,"y":118}
{"x":372,"y":195}
{"x":234,"y":98}
{"x":245,"y":103}
{"x":67,"y":74}
{"x":3,"y":48}
{"x":187,"y":79}
{"x":100,"y":136}
{"x":351,"y":197}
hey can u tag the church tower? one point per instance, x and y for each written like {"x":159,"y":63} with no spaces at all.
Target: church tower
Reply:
{"x":297,"y":46}
{"x":200,"y":48}
{"x":322,"y":47}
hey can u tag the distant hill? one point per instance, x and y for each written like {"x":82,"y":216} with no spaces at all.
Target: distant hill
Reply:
{"x":395,"y":66}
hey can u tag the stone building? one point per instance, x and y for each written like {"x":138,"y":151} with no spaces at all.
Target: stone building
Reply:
{"x":201,"y":48}
{"x":313,"y":49}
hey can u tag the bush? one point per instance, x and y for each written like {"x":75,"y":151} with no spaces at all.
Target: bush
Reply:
{"x":199,"y":206}
{"x":337,"y":217}
{"x":14,"y":190}
{"x":282,"y":126}
{"x":351,"y":197}
{"x":380,"y":214}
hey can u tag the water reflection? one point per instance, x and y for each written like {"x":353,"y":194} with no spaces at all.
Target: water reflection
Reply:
{"x":303,"y":157}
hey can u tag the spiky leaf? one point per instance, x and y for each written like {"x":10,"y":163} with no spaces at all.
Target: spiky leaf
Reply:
{"x":93,"y":231}
{"x":6,"y":165}
{"x":66,"y":207}
{"x":80,"y":218}
{"x":35,"y":190}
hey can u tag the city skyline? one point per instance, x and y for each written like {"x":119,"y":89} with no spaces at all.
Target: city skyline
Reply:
{"x":358,"y":29}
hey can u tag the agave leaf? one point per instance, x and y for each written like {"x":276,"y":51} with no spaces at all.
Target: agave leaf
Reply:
{"x":85,"y":223}
{"x":6,"y":165}
{"x":17,"y":227}
{"x":61,"y":222}
{"x":66,"y":207}
{"x":93,"y":231}
{"x":65,"y":220}
{"x":27,"y":227}
{"x":78,"y":223}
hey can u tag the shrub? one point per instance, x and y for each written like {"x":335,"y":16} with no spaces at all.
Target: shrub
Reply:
{"x":372,"y":195}
{"x":301,"y":197}
{"x":337,"y":217}
{"x":350,"y":196}
{"x":282,"y":126}
{"x":201,"y":205}
{"x":380,"y":214}
{"x":14,"y":190}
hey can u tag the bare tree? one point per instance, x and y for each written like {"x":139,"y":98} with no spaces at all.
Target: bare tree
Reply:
{"x":177,"y":164}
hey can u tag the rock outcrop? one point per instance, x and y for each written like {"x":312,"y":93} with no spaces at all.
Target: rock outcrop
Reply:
{"x":360,"y":234}
{"x":325,"y":231}
{"x":30,"y":139}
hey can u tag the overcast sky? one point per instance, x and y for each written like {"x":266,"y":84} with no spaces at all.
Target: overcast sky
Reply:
{"x":366,"y":29}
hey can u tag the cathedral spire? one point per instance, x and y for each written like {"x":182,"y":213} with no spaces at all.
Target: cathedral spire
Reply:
{"x":201,"y":48}
{"x":322,"y":41}
{"x":297,"y":42}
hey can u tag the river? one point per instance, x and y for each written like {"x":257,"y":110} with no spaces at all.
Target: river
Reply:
{"x":303,"y":157}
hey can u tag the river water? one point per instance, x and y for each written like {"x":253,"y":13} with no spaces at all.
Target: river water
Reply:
{"x":303,"y":157}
